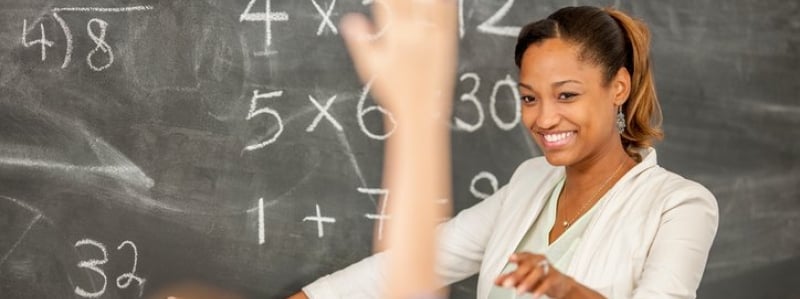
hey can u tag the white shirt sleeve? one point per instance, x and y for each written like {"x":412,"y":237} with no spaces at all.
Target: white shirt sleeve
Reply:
{"x":676,"y":261}
{"x":462,"y":241}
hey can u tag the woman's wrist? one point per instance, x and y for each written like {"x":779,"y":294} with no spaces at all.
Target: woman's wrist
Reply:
{"x":570,"y":289}
{"x":575,"y":290}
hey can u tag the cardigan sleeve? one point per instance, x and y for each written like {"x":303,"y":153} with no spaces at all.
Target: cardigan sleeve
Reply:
{"x":462,"y":241}
{"x":677,"y":258}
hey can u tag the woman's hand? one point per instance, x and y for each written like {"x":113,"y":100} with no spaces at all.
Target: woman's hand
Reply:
{"x":534,"y":274}
{"x":409,"y":53}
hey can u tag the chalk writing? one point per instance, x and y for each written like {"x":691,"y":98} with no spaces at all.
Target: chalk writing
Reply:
{"x":326,"y":18}
{"x":320,"y":220}
{"x":512,"y":85}
{"x":461,"y":30}
{"x":123,"y":281}
{"x":101,"y":44}
{"x":93,"y":266}
{"x":361,"y":111}
{"x":471,"y":97}
{"x":261,"y":237}
{"x":265,"y":110}
{"x":381,"y":216}
{"x":483,"y":175}
{"x":490,"y":25}
{"x":68,"y":32}
{"x":42,"y":41}
{"x":323,"y":112}
{"x":104,"y":9}
{"x":268,"y":16}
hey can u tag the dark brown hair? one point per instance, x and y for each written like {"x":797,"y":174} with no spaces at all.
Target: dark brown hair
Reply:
{"x":611,"y":39}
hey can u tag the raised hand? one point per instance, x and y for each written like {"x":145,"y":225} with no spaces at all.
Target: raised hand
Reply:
{"x":412,"y":61}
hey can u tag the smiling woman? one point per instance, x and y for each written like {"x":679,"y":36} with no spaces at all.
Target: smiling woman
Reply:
{"x":596,"y":216}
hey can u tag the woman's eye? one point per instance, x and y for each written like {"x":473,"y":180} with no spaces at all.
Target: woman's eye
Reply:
{"x":566,"y":95}
{"x":528,"y":99}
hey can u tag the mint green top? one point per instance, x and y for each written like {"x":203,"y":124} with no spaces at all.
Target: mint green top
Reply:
{"x":537,"y":240}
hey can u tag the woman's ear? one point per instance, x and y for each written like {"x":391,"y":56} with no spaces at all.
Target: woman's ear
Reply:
{"x":621,"y":85}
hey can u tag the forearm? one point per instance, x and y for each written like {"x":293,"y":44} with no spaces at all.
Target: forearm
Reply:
{"x":411,"y":68}
{"x":417,"y":173}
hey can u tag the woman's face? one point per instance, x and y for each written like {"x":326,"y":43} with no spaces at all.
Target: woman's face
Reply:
{"x":566,"y":105}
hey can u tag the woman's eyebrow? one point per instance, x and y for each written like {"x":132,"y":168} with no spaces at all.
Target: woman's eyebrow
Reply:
{"x":526,"y":86}
{"x":554,"y":84}
{"x":560,"y":83}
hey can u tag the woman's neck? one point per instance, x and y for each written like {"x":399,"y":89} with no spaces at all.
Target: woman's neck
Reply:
{"x":589,"y":174}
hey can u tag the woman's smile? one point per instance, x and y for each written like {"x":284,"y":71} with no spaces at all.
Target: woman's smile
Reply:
{"x":556,"y":139}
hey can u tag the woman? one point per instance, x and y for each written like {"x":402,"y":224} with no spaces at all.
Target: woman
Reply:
{"x":595,"y":217}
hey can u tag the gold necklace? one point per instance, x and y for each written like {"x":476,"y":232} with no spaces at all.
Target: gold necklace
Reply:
{"x":567,"y":223}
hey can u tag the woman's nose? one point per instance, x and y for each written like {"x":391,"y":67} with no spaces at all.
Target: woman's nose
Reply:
{"x":548,"y":116}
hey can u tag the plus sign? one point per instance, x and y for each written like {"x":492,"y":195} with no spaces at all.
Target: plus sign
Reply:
{"x":319,"y":219}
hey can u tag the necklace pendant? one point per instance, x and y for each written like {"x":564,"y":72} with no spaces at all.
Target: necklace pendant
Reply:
{"x":565,"y":223}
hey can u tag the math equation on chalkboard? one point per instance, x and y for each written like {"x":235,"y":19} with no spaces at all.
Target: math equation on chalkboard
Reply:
{"x":199,"y":122}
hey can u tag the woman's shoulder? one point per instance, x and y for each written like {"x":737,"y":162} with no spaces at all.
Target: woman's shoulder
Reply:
{"x":669,"y":189}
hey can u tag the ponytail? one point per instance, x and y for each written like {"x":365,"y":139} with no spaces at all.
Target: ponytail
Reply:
{"x":642,"y":111}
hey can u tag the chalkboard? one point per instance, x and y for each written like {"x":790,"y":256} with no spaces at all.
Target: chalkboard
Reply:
{"x":229,"y":144}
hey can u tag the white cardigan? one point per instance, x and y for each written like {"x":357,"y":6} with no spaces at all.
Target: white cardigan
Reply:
{"x":649,"y":237}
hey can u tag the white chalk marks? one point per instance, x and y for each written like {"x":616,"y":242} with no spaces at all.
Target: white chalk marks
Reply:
{"x":97,"y":37}
{"x":67,"y":37}
{"x":512,"y":85}
{"x":361,"y":111}
{"x":104,"y":9}
{"x":461,"y":30}
{"x":42,"y":41}
{"x":252,"y":13}
{"x":472,"y":98}
{"x":483,"y":175}
{"x":268,"y":16}
{"x":319,"y":219}
{"x":323,"y":112}
{"x":100,"y":41}
{"x":264,"y":110}
{"x":490,"y":25}
{"x":37,"y":215}
{"x":92,"y":265}
{"x":381,"y":216}
{"x":261,"y":231}
{"x":326,"y":18}
{"x":123,"y":281}
{"x":20,"y":238}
